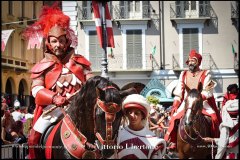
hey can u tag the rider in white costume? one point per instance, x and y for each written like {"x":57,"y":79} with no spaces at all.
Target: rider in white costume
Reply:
{"x":228,"y":143}
{"x":136,"y":141}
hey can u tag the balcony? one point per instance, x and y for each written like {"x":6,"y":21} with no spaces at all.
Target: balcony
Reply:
{"x":236,"y":63}
{"x":14,"y":63}
{"x":185,"y":12}
{"x":235,"y":13}
{"x":120,"y":14}
{"x":207,"y":63}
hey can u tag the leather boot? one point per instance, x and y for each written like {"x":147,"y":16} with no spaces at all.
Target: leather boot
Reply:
{"x":33,"y":142}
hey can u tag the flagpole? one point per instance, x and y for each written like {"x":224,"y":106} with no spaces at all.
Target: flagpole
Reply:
{"x":104,"y":62}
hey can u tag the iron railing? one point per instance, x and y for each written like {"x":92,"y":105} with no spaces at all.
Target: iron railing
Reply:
{"x":236,"y":63}
{"x":116,"y":11}
{"x":179,"y":10}
{"x":235,"y":10}
{"x":14,"y":151}
{"x":116,"y":63}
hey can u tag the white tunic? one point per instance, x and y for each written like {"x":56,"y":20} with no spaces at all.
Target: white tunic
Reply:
{"x":226,"y":137}
{"x":141,"y":144}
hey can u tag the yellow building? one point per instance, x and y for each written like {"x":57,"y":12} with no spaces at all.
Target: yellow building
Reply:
{"x":17,"y":61}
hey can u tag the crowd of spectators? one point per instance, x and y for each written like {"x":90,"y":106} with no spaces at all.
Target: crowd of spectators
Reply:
{"x":16,"y":123}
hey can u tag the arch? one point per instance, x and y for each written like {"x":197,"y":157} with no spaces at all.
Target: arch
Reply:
{"x":10,"y":87}
{"x":23,"y":92}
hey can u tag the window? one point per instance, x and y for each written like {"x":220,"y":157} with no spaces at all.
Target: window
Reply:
{"x":34,"y":10}
{"x":10,"y":46}
{"x":23,"y":8}
{"x":34,"y":55}
{"x":190,"y":41}
{"x":23,"y":49}
{"x":95,"y":51}
{"x":10,"y":5}
{"x":134,"y":49}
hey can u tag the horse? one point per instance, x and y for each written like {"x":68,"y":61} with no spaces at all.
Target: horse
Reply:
{"x":90,"y":125}
{"x":192,"y":128}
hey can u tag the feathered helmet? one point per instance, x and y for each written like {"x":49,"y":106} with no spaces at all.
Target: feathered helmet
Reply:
{"x":52,"y":22}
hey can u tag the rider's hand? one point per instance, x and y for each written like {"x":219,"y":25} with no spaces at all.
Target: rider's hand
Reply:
{"x":59,"y":100}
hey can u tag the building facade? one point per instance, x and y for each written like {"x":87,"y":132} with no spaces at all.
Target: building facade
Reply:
{"x":152,"y":40}
{"x":174,"y":27}
{"x":17,"y":61}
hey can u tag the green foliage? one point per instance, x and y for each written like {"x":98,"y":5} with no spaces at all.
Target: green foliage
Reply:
{"x":153,"y":100}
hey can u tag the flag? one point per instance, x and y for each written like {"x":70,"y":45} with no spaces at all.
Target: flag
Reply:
{"x":233,"y":51}
{"x":97,"y":10}
{"x":35,"y":40}
{"x":153,"y":52}
{"x":5,"y":36}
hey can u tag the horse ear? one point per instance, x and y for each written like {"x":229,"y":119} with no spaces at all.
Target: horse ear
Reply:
{"x":200,"y":87}
{"x":99,"y":92}
{"x":127,"y":92}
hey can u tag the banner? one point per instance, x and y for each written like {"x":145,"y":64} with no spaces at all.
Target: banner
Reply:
{"x":5,"y":36}
{"x":97,"y":10}
{"x":34,"y":40}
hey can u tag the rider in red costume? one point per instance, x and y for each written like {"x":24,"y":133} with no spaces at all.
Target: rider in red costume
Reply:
{"x":189,"y":80}
{"x":60,"y":74}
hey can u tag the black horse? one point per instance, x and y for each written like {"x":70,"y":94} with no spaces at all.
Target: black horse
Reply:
{"x":90,"y":125}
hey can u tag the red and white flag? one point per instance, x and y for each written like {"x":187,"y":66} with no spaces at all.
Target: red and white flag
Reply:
{"x":5,"y":36}
{"x":35,"y":40}
{"x":97,"y":10}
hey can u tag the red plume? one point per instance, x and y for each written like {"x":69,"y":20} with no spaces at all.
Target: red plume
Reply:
{"x":49,"y":17}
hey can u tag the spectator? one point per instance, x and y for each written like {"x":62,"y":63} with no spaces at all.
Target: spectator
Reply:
{"x":29,"y":113}
{"x":17,"y":132}
{"x":136,"y":134}
{"x":6,"y":124}
{"x":17,"y":115}
{"x":232,"y":93}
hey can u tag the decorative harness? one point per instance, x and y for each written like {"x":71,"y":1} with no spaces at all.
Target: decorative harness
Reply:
{"x":74,"y":141}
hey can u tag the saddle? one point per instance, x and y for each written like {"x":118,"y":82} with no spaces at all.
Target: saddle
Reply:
{"x":55,"y":115}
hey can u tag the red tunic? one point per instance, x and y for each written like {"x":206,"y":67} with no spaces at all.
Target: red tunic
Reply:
{"x":59,"y":77}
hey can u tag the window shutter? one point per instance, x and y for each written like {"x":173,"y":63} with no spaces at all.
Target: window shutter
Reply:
{"x":145,"y":9}
{"x":190,"y":41}
{"x":95,"y":51}
{"x":134,"y":49}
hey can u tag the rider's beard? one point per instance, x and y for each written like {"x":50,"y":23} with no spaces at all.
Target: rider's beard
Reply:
{"x":192,"y":67}
{"x":58,"y":51}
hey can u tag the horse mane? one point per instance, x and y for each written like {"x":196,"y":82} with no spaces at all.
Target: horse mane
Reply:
{"x":82,"y":106}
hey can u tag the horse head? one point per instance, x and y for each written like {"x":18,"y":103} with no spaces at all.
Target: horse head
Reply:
{"x":99,"y":114}
{"x":193,"y":106}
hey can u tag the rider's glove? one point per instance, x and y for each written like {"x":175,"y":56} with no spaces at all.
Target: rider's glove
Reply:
{"x":59,"y":100}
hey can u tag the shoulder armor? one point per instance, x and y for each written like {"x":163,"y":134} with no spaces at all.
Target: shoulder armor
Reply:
{"x":81,"y":60}
{"x":38,"y":69}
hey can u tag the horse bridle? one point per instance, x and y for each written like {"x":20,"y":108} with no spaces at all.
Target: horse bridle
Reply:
{"x":110,"y":110}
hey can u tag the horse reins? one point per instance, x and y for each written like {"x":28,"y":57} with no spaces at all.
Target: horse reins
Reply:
{"x":110,"y":110}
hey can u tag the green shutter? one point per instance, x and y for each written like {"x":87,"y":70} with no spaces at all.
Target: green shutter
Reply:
{"x":190,"y":41}
{"x":95,"y":51}
{"x":134,"y":49}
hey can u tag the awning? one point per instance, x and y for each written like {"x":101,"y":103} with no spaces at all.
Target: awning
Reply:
{"x":5,"y":36}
